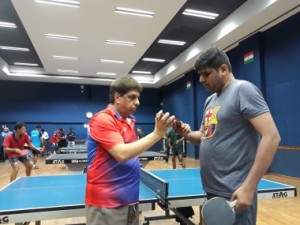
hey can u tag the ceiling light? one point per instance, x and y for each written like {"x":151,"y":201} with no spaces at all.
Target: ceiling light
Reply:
{"x":7,"y":24}
{"x":14,"y":48}
{"x":154,"y":60}
{"x":141,"y":72}
{"x":22,"y":73}
{"x":25,"y":64}
{"x":26,"y":75}
{"x":67,"y":71}
{"x":69,"y":77}
{"x":65,"y":57}
{"x":68,"y":3}
{"x":62,"y":37}
{"x":106,"y":73}
{"x":202,"y":14}
{"x":103,"y":79}
{"x":110,"y":61}
{"x":113,"y":42}
{"x":171,"y":42}
{"x":143,"y":79}
{"x":134,"y":12}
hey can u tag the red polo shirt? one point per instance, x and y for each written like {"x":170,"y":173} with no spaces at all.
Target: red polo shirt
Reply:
{"x":12,"y":142}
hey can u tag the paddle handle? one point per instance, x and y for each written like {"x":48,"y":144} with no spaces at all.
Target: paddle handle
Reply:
{"x":232,"y":204}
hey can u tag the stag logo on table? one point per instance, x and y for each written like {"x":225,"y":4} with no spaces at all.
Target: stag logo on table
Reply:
{"x":282,"y":194}
{"x":4,"y":220}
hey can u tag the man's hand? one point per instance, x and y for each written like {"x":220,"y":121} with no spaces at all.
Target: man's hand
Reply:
{"x":181,"y":128}
{"x":39,"y":149}
{"x":244,"y":198}
{"x":162,"y":122}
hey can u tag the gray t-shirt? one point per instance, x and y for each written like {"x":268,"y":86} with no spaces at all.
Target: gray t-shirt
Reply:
{"x":229,"y":144}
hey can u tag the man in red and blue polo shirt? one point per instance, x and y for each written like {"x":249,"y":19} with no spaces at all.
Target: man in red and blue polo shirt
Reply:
{"x":113,"y":170}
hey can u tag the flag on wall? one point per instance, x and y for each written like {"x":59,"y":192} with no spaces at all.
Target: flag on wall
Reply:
{"x":249,"y":57}
{"x":188,"y":85}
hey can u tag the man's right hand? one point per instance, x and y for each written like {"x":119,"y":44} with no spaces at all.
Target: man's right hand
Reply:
{"x":162,"y":122}
{"x":181,"y":128}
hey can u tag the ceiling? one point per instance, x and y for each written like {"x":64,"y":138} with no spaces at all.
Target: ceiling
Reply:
{"x":94,"y":22}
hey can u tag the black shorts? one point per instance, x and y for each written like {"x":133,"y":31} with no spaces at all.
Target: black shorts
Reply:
{"x":35,"y":152}
{"x":177,"y":151}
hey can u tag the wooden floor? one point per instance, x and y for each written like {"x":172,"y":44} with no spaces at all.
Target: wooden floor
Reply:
{"x":270,"y":212}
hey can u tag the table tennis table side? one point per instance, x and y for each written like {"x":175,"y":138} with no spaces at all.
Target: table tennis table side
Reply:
{"x":82,"y":158}
{"x":185,"y":187}
{"x":53,"y":197}
{"x":67,"y":158}
{"x":74,"y":149}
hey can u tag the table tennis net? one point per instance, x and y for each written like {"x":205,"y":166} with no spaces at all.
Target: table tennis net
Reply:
{"x":156,"y":184}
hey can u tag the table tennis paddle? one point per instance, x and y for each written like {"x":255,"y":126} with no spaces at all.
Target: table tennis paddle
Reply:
{"x":177,"y":124}
{"x":23,"y":152}
{"x":218,"y":211}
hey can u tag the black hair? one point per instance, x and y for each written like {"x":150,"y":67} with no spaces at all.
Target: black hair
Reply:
{"x":19,"y":125}
{"x":213,"y":58}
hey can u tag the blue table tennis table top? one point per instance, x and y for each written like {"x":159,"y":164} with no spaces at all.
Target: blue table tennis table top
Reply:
{"x":62,"y":196}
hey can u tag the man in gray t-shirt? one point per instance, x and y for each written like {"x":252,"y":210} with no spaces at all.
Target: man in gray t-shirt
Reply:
{"x":238,"y":137}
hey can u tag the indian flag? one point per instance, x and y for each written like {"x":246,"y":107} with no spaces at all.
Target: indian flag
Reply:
{"x":188,"y":85}
{"x":248,"y":57}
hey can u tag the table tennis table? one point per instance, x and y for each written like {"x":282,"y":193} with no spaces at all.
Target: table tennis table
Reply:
{"x":40,"y":198}
{"x":77,"y":162}
{"x":74,"y":149}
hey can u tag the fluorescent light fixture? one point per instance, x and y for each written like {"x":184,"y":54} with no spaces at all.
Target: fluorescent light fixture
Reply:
{"x":141,"y":72}
{"x":134,"y":12}
{"x":68,"y":3}
{"x":106,"y":73}
{"x":21,"y":74}
{"x":65,"y":57}
{"x":27,"y":71}
{"x":69,"y":77}
{"x":28,"y":74}
{"x":171,"y":42}
{"x":143,"y":79}
{"x":7,"y":24}
{"x":113,"y":42}
{"x":62,"y":37}
{"x":25,"y":64}
{"x":102,"y":79}
{"x":202,"y":14}
{"x":154,"y":60}
{"x":14,"y":48}
{"x":110,"y":61}
{"x":66,"y":71}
